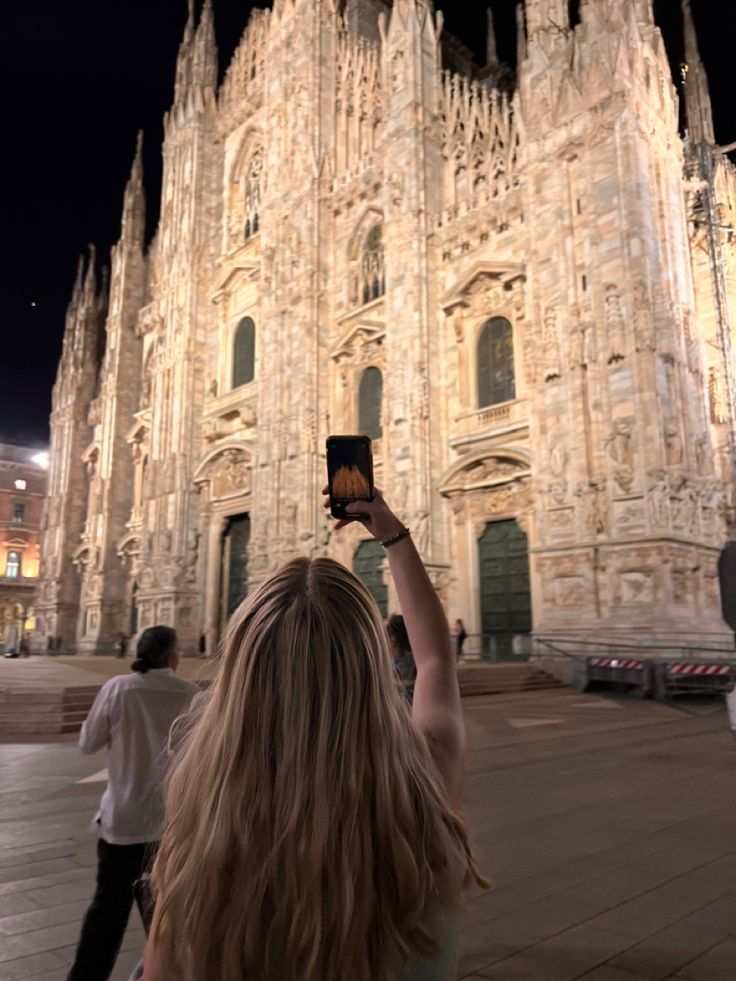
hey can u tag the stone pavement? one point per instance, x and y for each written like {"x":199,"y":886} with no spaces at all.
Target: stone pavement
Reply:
{"x":607,"y":825}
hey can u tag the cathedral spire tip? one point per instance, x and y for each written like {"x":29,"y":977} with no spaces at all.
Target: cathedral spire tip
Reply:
{"x":491,"y":47}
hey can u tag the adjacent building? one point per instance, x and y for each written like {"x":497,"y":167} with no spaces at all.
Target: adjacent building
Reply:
{"x":514,"y":286}
{"x":22,"y":495}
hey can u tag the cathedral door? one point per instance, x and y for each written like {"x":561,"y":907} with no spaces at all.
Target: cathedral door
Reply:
{"x":505,"y":596}
{"x":235,"y":564}
{"x":368,"y":567}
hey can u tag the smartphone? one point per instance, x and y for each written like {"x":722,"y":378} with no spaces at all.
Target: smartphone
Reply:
{"x":349,"y":474}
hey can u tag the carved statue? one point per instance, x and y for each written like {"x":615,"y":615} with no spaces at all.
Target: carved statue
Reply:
{"x":615,"y":328}
{"x":643,"y":324}
{"x":658,"y":497}
{"x":717,"y":396}
{"x":619,"y":443}
{"x":673,"y":444}
{"x":551,"y":346}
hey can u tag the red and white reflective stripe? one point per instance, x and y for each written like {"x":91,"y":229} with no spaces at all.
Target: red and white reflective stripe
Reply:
{"x":700,"y":669}
{"x":617,"y":662}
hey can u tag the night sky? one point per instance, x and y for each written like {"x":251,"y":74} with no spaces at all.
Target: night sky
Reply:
{"x":79,"y":78}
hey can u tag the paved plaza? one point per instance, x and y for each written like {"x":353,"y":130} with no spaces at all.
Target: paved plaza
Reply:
{"x":606,"y":823}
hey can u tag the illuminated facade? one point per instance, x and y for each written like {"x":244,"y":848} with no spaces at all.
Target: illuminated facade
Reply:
{"x":22,"y":493}
{"x":363,"y":231}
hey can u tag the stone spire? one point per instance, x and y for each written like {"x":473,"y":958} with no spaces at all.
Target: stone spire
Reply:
{"x":697,"y":95}
{"x":551,"y":16}
{"x":521,"y":48}
{"x":184,"y":59}
{"x":491,"y":47}
{"x":134,"y":199}
{"x":204,"y":55}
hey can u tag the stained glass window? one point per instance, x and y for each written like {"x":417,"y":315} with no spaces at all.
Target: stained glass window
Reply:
{"x":244,"y":352}
{"x":496,"y":382}
{"x":370,"y":398}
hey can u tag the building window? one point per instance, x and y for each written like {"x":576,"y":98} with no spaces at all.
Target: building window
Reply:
{"x":20,"y":484}
{"x":253,"y":196}
{"x":496,"y":382}
{"x":19,"y":511}
{"x":372,"y":271}
{"x":370,"y":397}
{"x":12,"y":565}
{"x":244,"y":353}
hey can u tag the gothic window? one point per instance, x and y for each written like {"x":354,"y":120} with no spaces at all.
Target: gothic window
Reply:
{"x":370,"y":397}
{"x":12,"y":565}
{"x":372,"y":274}
{"x":244,"y":353}
{"x":19,"y":511}
{"x":253,"y":195}
{"x":495,"y":363}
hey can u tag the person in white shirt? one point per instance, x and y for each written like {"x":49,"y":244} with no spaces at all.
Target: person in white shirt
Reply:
{"x":131,"y":718}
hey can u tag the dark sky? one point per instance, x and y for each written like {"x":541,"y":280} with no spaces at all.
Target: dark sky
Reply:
{"x":79,"y":78}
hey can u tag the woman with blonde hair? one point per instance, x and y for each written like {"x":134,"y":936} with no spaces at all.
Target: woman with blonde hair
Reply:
{"x":312,"y":822}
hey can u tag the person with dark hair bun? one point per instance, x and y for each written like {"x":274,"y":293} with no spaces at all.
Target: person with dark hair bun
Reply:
{"x":131,"y":718}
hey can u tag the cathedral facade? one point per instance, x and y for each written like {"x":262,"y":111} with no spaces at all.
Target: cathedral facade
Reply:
{"x":502,"y":281}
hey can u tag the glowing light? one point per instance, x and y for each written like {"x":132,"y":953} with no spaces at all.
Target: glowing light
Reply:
{"x":20,"y":484}
{"x":41,"y":459}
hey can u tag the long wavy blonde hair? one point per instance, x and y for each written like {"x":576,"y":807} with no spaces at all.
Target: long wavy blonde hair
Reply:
{"x":308,"y":831}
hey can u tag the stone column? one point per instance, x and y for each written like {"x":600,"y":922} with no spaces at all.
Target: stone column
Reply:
{"x":218,"y":523}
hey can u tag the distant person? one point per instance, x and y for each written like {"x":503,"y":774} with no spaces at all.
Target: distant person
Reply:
{"x":460,"y":635}
{"x":312,"y":829}
{"x":202,"y":645}
{"x":49,"y":645}
{"x":131,"y":718}
{"x":59,"y":644}
{"x":24,"y":647}
{"x":404,"y":665}
{"x":121,"y":648}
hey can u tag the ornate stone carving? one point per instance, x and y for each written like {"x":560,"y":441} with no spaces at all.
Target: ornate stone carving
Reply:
{"x":551,"y":345}
{"x":673,"y":443}
{"x":643,"y":322}
{"x":615,"y":327}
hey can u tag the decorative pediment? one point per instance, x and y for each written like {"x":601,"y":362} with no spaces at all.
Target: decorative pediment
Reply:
{"x":243,"y":270}
{"x":485,"y":470}
{"x":129,"y":545}
{"x":15,"y":543}
{"x":479,"y":279}
{"x":360,"y":336}
{"x":228,"y":470}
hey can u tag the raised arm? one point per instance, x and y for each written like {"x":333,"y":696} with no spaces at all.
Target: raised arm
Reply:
{"x":436,"y":711}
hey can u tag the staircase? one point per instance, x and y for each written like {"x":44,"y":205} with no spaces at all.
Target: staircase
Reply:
{"x":25,"y":712}
{"x":503,"y":679}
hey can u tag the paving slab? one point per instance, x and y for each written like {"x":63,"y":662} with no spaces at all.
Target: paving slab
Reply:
{"x":608,"y":837}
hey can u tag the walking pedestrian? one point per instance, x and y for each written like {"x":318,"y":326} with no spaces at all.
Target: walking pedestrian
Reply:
{"x":312,"y":819}
{"x":131,"y":718}
{"x":202,"y":645}
{"x":460,"y":636}
{"x":122,"y":645}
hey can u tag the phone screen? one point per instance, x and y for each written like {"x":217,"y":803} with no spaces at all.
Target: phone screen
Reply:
{"x":350,"y":472}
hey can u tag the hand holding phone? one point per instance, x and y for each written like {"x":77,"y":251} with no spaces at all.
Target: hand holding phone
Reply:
{"x":349,"y":474}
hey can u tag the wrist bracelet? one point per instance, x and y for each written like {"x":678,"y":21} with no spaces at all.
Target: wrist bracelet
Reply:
{"x":404,"y":533}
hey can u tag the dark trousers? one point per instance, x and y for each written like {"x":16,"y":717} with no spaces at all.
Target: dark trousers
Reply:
{"x":118,"y":868}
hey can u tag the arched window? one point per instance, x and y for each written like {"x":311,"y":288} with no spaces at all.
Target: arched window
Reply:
{"x":244,"y":353}
{"x":372,"y":271}
{"x":495,"y":360}
{"x":253,"y":195}
{"x":12,"y":565}
{"x":370,"y":397}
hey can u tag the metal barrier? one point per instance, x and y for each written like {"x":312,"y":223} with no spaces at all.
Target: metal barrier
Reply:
{"x":655,"y":670}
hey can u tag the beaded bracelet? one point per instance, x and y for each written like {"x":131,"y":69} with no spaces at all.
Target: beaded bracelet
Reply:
{"x":404,"y":533}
